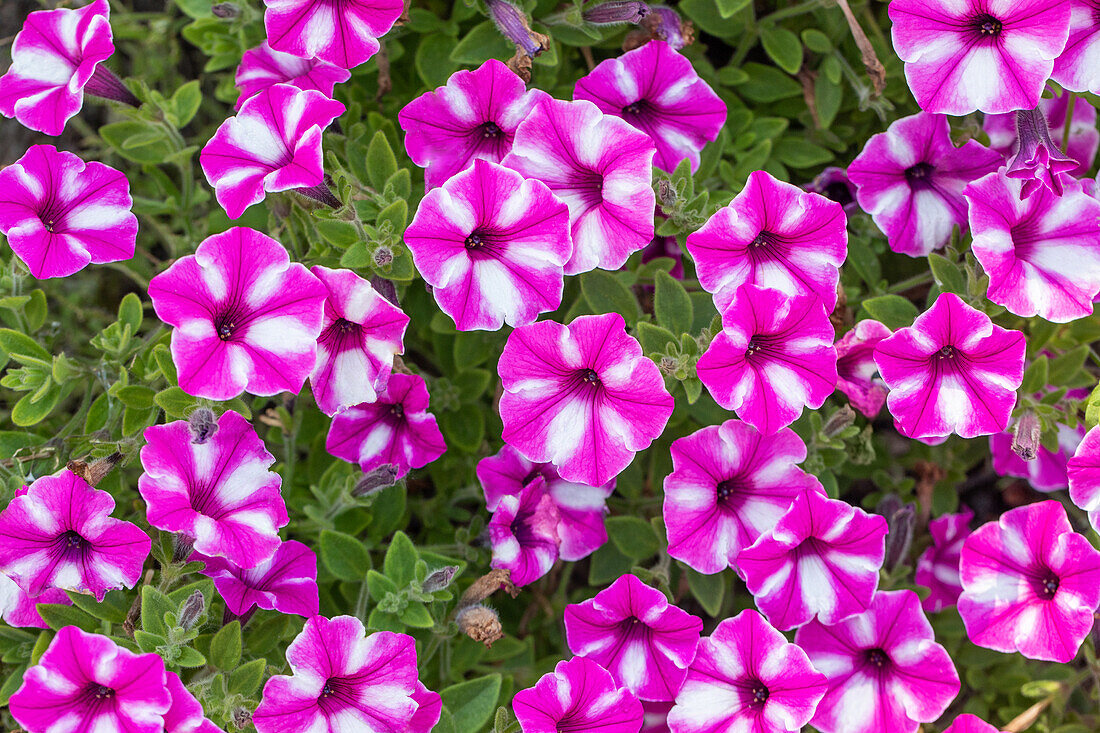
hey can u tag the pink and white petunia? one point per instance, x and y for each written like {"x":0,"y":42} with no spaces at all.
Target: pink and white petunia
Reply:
{"x":220,"y":491}
{"x":1084,"y":138}
{"x":1077,"y":68}
{"x":361,"y":333}
{"x":966,"y":55}
{"x":492,"y":246}
{"x":87,"y":682}
{"x":523,"y":533}
{"x":1042,"y":253}
{"x":429,"y":708}
{"x":969,"y":724}
{"x":582,"y":397}
{"x":60,"y":214}
{"x":1030,"y":584}
{"x":601,"y":167}
{"x":820,"y":560}
{"x":21,"y":610}
{"x":245,"y":317}
{"x":396,"y":429}
{"x":1047,"y":471}
{"x":59,"y":534}
{"x":884,"y":668}
{"x":631,"y":630}
{"x":910,"y":179}
{"x":473,"y":117}
{"x":579,"y":695}
{"x":857,"y":373}
{"x":344,"y":33}
{"x":1083,"y":472}
{"x":747,"y":677}
{"x":952,"y":371}
{"x":272,"y":144}
{"x":729,"y":484}
{"x":263,"y":67}
{"x":773,"y":357}
{"x":286,"y":582}
{"x":342,"y":680}
{"x":938,"y":566}
{"x":657,"y":90}
{"x":772,"y":235}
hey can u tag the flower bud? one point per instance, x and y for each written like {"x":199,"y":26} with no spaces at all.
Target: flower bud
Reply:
{"x":839,"y":421}
{"x":900,"y":520}
{"x":616,"y":11}
{"x":225,"y":10}
{"x":376,"y":480}
{"x":480,"y":623}
{"x":192,"y":609}
{"x":512,"y":24}
{"x":439,"y":579}
{"x":1025,"y":436}
{"x":385,"y":288}
{"x":242,"y":717}
{"x":383,"y":256}
{"x":203,"y":424}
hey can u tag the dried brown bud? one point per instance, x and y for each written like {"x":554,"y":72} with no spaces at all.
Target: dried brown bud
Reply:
{"x":94,"y":472}
{"x":480,"y":623}
{"x":1026,"y":436}
{"x":487,"y":585}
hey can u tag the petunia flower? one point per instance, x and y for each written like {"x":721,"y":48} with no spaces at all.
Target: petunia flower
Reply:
{"x":582,"y":397}
{"x":361,"y":333}
{"x":1083,"y":474}
{"x":938,"y":566}
{"x":910,"y":179}
{"x":1042,"y":253}
{"x":396,"y":429}
{"x":656,"y":717}
{"x":60,"y":213}
{"x":729,"y":484}
{"x":492,"y":246}
{"x":773,"y":357}
{"x":952,"y":371}
{"x":656,"y":89}
{"x":263,"y":67}
{"x":1030,"y":584}
{"x":601,"y":167}
{"x":343,"y":33}
{"x":969,"y":724}
{"x":747,"y":677}
{"x":21,"y":610}
{"x":631,"y":630}
{"x":820,"y":560}
{"x":1075,"y":68}
{"x":221,"y":492}
{"x":60,"y":534}
{"x":856,"y":369}
{"x":1047,"y":472}
{"x":86,"y":682}
{"x":272,"y":144}
{"x":1084,"y":138}
{"x":967,"y":55}
{"x":286,"y":582}
{"x":342,"y":679}
{"x":429,"y":708}
{"x":884,"y":668}
{"x":580,"y":507}
{"x":523,"y":533}
{"x":473,"y":117}
{"x":56,"y":58}
{"x":245,"y":317}
{"x":579,"y":695}
{"x":772,"y":235}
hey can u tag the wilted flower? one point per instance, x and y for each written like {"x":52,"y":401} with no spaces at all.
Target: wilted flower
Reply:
{"x":1038,"y":161}
{"x":344,"y":33}
{"x":938,"y":566}
{"x":286,"y":582}
{"x":615,"y":11}
{"x":263,"y":67}
{"x":1084,"y":138}
{"x":579,"y":695}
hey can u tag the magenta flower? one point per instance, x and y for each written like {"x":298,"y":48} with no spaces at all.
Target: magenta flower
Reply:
{"x":397,"y":429}
{"x":582,"y":397}
{"x":60,"y":535}
{"x":856,"y":369}
{"x":581,"y":508}
{"x":579,"y":695}
{"x":1047,"y":472}
{"x":938,"y":566}
{"x":952,"y":371}
{"x":773,"y":357}
{"x":221,"y":491}
{"x":821,"y":559}
{"x":21,"y":610}
{"x":473,"y":117}
{"x":969,"y":724}
{"x":341,"y":680}
{"x":1083,"y":472}
{"x":772,"y":235}
{"x":86,"y":682}
{"x":341,"y":32}
{"x":1084,"y":138}
{"x":286,"y":582}
{"x":632,"y":631}
{"x":185,"y":714}
{"x":524,"y":533}
{"x":60,"y":213}
{"x":601,"y":167}
{"x":1042,"y":253}
{"x":263,"y":67}
{"x":245,"y":317}
{"x":492,"y":246}
{"x":656,"y":716}
{"x":885,"y":670}
{"x":910,"y":179}
{"x":656,"y":89}
{"x":55,"y":59}
{"x":429,"y":707}
{"x":729,"y":484}
{"x":1030,"y":584}
{"x":361,"y":333}
{"x":273,"y":144}
{"x":1076,"y":67}
{"x":747,"y":677}
{"x":975,"y":55}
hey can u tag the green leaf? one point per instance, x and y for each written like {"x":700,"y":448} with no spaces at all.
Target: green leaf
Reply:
{"x":137,"y":396}
{"x":816,"y":41}
{"x":480,"y":44}
{"x":709,"y":590}
{"x":189,"y":657}
{"x":185,"y":103}
{"x":338,"y":233}
{"x":1069,"y":368}
{"x":799,"y":153}
{"x":343,"y":555}
{"x":653,"y":338}
{"x":893,"y":311}
{"x":381,"y":162}
{"x":16,"y":345}
{"x":433,"y":56}
{"x":113,"y":608}
{"x":783,"y":47}
{"x":397,"y":214}
{"x":154,"y":605}
{"x":196,"y":8}
{"x":379,"y":585}
{"x":464,"y":429}
{"x":472,"y":703}
{"x":728,"y":8}
{"x":1037,"y":376}
{"x":12,"y":683}
{"x":35,"y":310}
{"x":28,"y":411}
{"x":417,"y":616}
{"x":672,"y":304}
{"x":163,"y":358}
{"x":225,"y":647}
{"x":58,"y":616}
{"x":400,"y":563}
{"x":767,"y":84}
{"x":154,"y":148}
{"x":605,"y":293}
{"x":246,"y":679}
{"x":949,"y":276}
{"x":633,"y":536}
{"x":175,"y":402}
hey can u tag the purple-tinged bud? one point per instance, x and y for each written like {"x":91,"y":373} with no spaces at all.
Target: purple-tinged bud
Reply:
{"x":203,"y":424}
{"x":512,"y":24}
{"x":192,"y":609}
{"x":900,"y":521}
{"x":322,"y":194}
{"x":103,"y":83}
{"x":383,"y":256}
{"x":1038,"y":162}
{"x":1026,"y":436}
{"x":616,"y":11}
{"x":439,"y":579}
{"x":385,"y":288}
{"x":480,"y":623}
{"x":182,"y":544}
{"x":242,"y":717}
{"x":225,"y":10}
{"x":376,"y":480}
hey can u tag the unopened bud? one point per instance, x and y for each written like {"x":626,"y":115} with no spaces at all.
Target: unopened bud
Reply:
{"x":225,"y":10}
{"x":385,"y":288}
{"x":242,"y":717}
{"x":1025,"y":436}
{"x":616,"y":11}
{"x":666,"y":194}
{"x":192,"y":609}
{"x":376,"y":480}
{"x":480,"y":623}
{"x":439,"y":579}
{"x":838,"y":421}
{"x":512,"y":24}
{"x":203,"y":424}
{"x":383,"y":256}
{"x":900,"y":520}
{"x":668,"y":365}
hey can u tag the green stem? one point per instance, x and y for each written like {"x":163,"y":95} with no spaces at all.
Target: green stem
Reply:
{"x":791,"y":11}
{"x":748,"y":40}
{"x":925,"y":278}
{"x":1070,"y":104}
